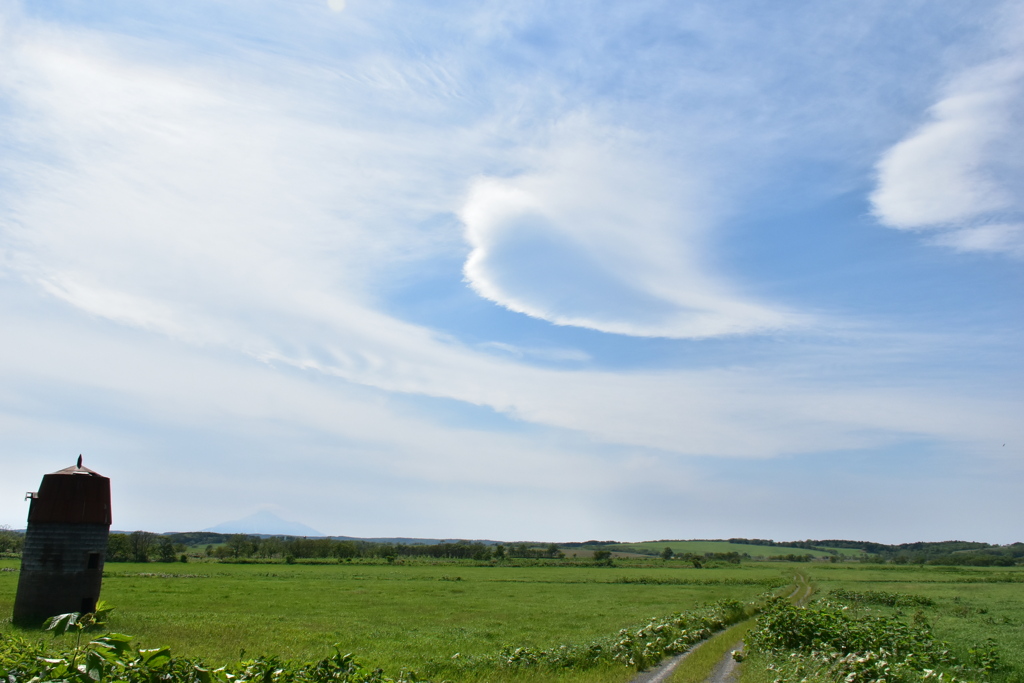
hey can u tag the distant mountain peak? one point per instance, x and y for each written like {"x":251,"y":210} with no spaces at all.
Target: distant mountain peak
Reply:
{"x":264,"y":522}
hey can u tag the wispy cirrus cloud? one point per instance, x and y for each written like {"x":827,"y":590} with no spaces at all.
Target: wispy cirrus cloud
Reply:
{"x":958,"y":176}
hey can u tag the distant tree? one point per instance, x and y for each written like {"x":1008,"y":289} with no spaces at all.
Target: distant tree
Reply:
{"x":667,"y":553}
{"x":165,"y":549}
{"x":141,"y":545}
{"x":603,"y":556}
{"x":346,"y":549}
{"x":499,"y":552}
{"x":240,"y":545}
{"x":10,"y":541}
{"x":271,"y":547}
{"x":119,"y":548}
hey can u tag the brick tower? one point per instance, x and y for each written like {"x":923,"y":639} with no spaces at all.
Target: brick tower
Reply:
{"x":65,"y":545}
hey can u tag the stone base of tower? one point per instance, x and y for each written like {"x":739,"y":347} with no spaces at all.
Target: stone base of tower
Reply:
{"x":61,"y":570}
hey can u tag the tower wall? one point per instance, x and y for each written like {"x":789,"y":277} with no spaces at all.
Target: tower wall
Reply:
{"x":61,"y":570}
{"x":65,"y":546}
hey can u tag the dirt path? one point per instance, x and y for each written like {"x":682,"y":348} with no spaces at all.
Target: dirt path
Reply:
{"x":662,"y":672}
{"x":802,"y":593}
{"x":726,"y":671}
{"x":721,"y":674}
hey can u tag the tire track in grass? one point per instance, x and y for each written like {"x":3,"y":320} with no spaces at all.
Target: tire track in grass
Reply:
{"x":696,"y":664}
{"x":721,"y":666}
{"x":712,"y":661}
{"x":660,"y":673}
{"x":727,"y":669}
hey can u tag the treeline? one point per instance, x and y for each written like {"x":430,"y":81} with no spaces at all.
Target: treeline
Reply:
{"x":142,"y":546}
{"x":991,"y":556}
{"x":705,"y":559}
{"x":11,"y":541}
{"x":240,"y":546}
{"x":939,"y":548}
{"x":583,"y":544}
{"x":946,"y":553}
{"x":868,"y":546}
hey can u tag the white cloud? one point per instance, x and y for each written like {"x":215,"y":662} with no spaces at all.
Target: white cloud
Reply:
{"x":999,"y":237}
{"x":543,"y":353}
{"x":598,"y":234}
{"x":961,"y":173}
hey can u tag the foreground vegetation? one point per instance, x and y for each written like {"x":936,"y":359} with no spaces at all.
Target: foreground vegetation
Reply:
{"x":894,"y":623}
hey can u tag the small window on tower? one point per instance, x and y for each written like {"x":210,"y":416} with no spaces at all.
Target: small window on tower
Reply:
{"x":94,"y":561}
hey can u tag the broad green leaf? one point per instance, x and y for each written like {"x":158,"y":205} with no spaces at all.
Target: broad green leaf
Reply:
{"x":62,"y":623}
{"x":156,"y":657}
{"x":93,"y":665}
{"x":120,"y":637}
{"x":103,"y":609}
{"x":107,"y":652}
{"x":117,"y":642}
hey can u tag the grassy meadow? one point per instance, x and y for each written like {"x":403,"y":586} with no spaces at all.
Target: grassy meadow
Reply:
{"x":415,"y":615}
{"x":434,"y":616}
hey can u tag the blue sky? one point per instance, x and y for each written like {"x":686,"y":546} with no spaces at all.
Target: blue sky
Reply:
{"x":529,"y":270}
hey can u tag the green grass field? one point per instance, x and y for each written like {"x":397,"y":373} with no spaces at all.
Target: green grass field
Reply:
{"x":418,"y":615}
{"x":701,"y":547}
{"x":415,"y":616}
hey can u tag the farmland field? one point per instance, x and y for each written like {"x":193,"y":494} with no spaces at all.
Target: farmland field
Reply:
{"x":415,"y":616}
